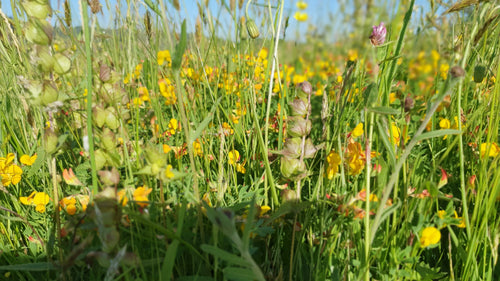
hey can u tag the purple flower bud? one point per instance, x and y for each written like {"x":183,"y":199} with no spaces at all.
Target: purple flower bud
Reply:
{"x":378,"y":34}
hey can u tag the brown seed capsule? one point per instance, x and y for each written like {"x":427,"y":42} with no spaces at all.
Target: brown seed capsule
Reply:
{"x":457,"y":72}
{"x":409,"y":103}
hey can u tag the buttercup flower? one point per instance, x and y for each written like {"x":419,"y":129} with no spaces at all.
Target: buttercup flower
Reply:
{"x":378,"y":34}
{"x":430,"y":236}
{"x":300,"y":16}
{"x":302,"y":5}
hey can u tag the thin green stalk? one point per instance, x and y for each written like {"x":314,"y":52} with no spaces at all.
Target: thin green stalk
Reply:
{"x":368,"y":150}
{"x":88,"y":84}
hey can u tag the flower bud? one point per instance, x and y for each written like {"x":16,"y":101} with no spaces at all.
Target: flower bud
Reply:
{"x":298,"y":126}
{"x":479,"y":73}
{"x":299,"y":107}
{"x":50,"y":141}
{"x":243,"y":29}
{"x":36,"y":9}
{"x":62,"y":64}
{"x":253,"y":30}
{"x":292,"y":167}
{"x":378,"y":34}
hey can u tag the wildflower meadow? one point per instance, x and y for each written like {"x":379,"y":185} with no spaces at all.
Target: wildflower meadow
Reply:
{"x":249,"y":140}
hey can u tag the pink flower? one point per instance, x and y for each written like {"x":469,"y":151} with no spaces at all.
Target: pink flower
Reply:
{"x":378,"y":34}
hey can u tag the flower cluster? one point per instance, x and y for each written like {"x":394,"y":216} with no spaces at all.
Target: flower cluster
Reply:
{"x":10,"y":173}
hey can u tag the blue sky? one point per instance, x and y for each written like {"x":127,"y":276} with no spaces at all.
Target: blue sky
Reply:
{"x":320,"y":12}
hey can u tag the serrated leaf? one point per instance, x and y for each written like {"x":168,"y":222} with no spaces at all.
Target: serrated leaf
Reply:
{"x":224,"y":255}
{"x":438,"y":133}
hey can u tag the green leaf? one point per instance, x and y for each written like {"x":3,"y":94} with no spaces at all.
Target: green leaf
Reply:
{"x":204,"y":123}
{"x":370,"y":94}
{"x":41,"y":266}
{"x":239,"y":274}
{"x":385,"y":140}
{"x":384,"y":110}
{"x":224,"y":255}
{"x":40,"y":160}
{"x":169,"y":261}
{"x":438,"y":133}
{"x":180,"y":48}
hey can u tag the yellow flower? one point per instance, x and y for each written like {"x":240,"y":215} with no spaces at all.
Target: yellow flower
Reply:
{"x":396,"y":134}
{"x":141,"y":196}
{"x":84,"y":201}
{"x":462,"y":220}
{"x":168,"y":172}
{"x":164,"y":56}
{"x":28,"y":160}
{"x":173,"y":125}
{"x":355,"y":158}
{"x":300,"y":16}
{"x":122,"y":197}
{"x":37,"y":199}
{"x":302,"y":5}
{"x":69,"y":204}
{"x":166,"y":148}
{"x":444,"y":123}
{"x":430,"y":236}
{"x":334,"y":161}
{"x":233,"y":156}
{"x":493,"y":149}
{"x":240,"y":167}
{"x":198,"y":151}
{"x":358,"y":131}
